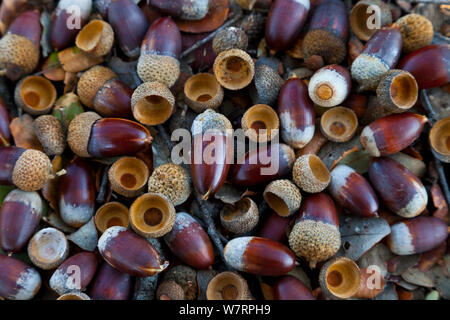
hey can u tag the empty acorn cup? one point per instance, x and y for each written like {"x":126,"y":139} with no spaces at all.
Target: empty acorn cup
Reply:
{"x":152,"y":215}
{"x":128,"y":176}
{"x":339,"y":124}
{"x":340,"y":278}
{"x":228,"y":286}
{"x":260,"y":123}
{"x":234,"y":69}
{"x":111,"y":214}
{"x":48,"y":248}
{"x":310,"y":174}
{"x":75,"y":295}
{"x":440,"y":139}
{"x":362,"y":13}
{"x":283,"y":197}
{"x":35,"y":95}
{"x":202,"y":91}
{"x":397,"y":90}
{"x":96,"y":37}
{"x":240,"y":217}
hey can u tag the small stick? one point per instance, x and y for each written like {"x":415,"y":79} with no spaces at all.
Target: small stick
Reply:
{"x":103,"y":186}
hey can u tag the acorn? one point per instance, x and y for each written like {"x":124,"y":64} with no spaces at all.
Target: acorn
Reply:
{"x":182,"y":9}
{"x":110,"y":284}
{"x":392,"y":133}
{"x":440,"y":139}
{"x":76,"y":193}
{"x":234,"y":69}
{"x":152,"y":103}
{"x":160,"y":51}
{"x":48,"y":248}
{"x":228,"y":286}
{"x":210,"y":120}
{"x":429,"y":65}
{"x":352,"y":191}
{"x":296,"y":112}
{"x":328,"y":32}
{"x":128,"y":176}
{"x":171,"y":180}
{"x":189,"y":242}
{"x":67,"y":22}
{"x":330,"y":86}
{"x":128,"y":35}
{"x":400,"y":190}
{"x":50,"y":132}
{"x":340,"y":278}
{"x":240,"y":217}
{"x":339,"y":124}
{"x":358,"y":103}
{"x":275,"y":228}
{"x":397,"y":91}
{"x":266,"y":85}
{"x":19,"y":47}
{"x":229,"y":38}
{"x":202,"y":91}
{"x":380,"y":54}
{"x":255,"y":169}
{"x":90,"y":135}
{"x":310,"y":174}
{"x":74,"y":295}
{"x":315,"y":236}
{"x":129,"y":253}
{"x":372,"y":283}
{"x":290,"y":288}
{"x":96,"y":38}
{"x":364,"y":16}
{"x":111,"y":214}
{"x":170,"y":290}
{"x":260,"y":123}
{"x":417,"y":235}
{"x":417,"y":31}
{"x":259,"y":256}
{"x":83,"y":264}
{"x":66,"y":108}
{"x":285,"y":22}
{"x":17,"y":280}
{"x":5,"y":119}
{"x":35,"y":95}
{"x":27,"y":169}
{"x":283,"y":197}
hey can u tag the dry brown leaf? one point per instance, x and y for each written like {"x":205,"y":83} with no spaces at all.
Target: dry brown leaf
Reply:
{"x":23,"y":133}
{"x":50,"y":190}
{"x":439,"y":202}
{"x":430,"y":258}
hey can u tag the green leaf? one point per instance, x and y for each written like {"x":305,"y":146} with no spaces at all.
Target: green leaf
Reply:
{"x":4,"y":190}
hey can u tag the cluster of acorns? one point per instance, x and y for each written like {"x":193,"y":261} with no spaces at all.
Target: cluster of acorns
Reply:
{"x":324,"y":103}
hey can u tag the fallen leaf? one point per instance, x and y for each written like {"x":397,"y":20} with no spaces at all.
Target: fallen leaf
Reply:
{"x":439,"y":202}
{"x":333,"y":151}
{"x":356,"y":159}
{"x":388,"y":293}
{"x":50,"y":190}
{"x":230,"y":194}
{"x":86,"y":237}
{"x":126,"y":70}
{"x":428,"y":259}
{"x":442,"y":277}
{"x":399,"y":264}
{"x":417,"y":277}
{"x":378,"y":256}
{"x":23,"y":133}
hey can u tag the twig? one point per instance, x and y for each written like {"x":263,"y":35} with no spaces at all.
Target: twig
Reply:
{"x":103,"y":186}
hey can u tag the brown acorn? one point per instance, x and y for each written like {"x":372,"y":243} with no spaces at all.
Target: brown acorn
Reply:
{"x":202,"y":91}
{"x":229,"y":38}
{"x":170,"y":290}
{"x":310,"y":173}
{"x":329,"y":86}
{"x":417,"y":31}
{"x":111,"y":214}
{"x":283,"y":197}
{"x":35,"y":95}
{"x":183,"y":9}
{"x":240,"y":217}
{"x":234,"y":69}
{"x":340,"y":278}
{"x":48,"y":248}
{"x":74,"y":295}
{"x":189,"y":242}
{"x":5,"y":119}
{"x":128,"y":176}
{"x":440,"y":139}
{"x":358,"y":103}
{"x":260,"y":123}
{"x":228,"y":286}
{"x":397,"y":90}
{"x":171,"y":180}
{"x":110,"y":284}
{"x":266,"y":85}
{"x":96,"y":38}
{"x":290,"y":288}
{"x":275,"y":228}
{"x":361,"y":17}
{"x":50,"y":132}
{"x":339,"y":124}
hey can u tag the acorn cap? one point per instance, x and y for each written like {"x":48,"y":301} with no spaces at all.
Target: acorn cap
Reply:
{"x":209,"y":120}
{"x":234,"y":69}
{"x":170,"y":290}
{"x":229,"y":38}
{"x":440,"y":139}
{"x":35,"y":95}
{"x":310,"y":174}
{"x":283,"y":197}
{"x":111,"y":214}
{"x":171,"y":180}
{"x":367,"y":70}
{"x":267,"y":85}
{"x":75,"y":295}
{"x":228,"y":286}
{"x":158,"y":68}
{"x":360,"y":14}
{"x":397,"y":91}
{"x":260,"y":123}
{"x":241,"y":217}
{"x":48,"y":248}
{"x":96,"y":37}
{"x":152,"y":103}
{"x":340,"y":278}
{"x":50,"y":133}
{"x":152,"y":215}
{"x":417,"y":31}
{"x":32,"y":170}
{"x":91,"y":82}
{"x":186,"y":277}
{"x":339,"y":124}
{"x":326,"y":44}
{"x":202,"y":91}
{"x":79,"y":132}
{"x":128,"y":176}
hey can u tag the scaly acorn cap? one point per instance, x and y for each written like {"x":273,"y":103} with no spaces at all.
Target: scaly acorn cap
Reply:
{"x":91,"y":82}
{"x":209,"y":120}
{"x":283,"y":197}
{"x":417,"y":31}
{"x":79,"y":132}
{"x":229,"y":38}
{"x":367,"y":70}
{"x":397,"y":91}
{"x":241,"y":217}
{"x":170,"y":290}
{"x":310,"y":174}
{"x":32,"y":170}
{"x":316,"y":40}
{"x":157,"y":68}
{"x":50,"y":133}
{"x":266,"y":87}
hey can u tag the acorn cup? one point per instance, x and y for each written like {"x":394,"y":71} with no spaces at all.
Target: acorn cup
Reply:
{"x":417,"y":31}
{"x":397,"y":91}
{"x":229,"y":38}
{"x":128,"y":176}
{"x":189,"y":242}
{"x":19,"y":47}
{"x":170,"y":290}
{"x":328,"y":32}
{"x":266,"y":85}
{"x":339,"y":124}
{"x":182,"y":9}
{"x":296,"y":112}
{"x":440,"y":139}
{"x":111,"y":214}
{"x":310,"y":174}
{"x":392,"y":133}
{"x":330,"y":86}
{"x":315,"y":236}
{"x":172,"y":181}
{"x":74,"y":295}
{"x":283,"y":197}
{"x":275,"y":228}
{"x":50,"y":133}
{"x":417,"y":235}
{"x":228,"y":286}
{"x":96,"y":38}
{"x":152,"y":103}
{"x":340,"y":278}
{"x":362,"y":17}
{"x":5,"y":119}
{"x":160,"y":51}
{"x":260,"y":123}
{"x":130,"y":253}
{"x":17,"y":280}
{"x":35,"y":95}
{"x":399,"y":189}
{"x":110,"y":284}
{"x":240,"y":217}
{"x":285,"y":22}
{"x":290,"y":288}
{"x":202,"y":91}
{"x":352,"y":191}
{"x":48,"y":248}
{"x":234,"y":69}
{"x":380,"y":54}
{"x":259,"y":256}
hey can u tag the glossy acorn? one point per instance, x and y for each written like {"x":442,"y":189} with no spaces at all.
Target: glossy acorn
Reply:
{"x":48,"y":248}
{"x":182,"y":9}
{"x":5,"y":119}
{"x":362,"y":13}
{"x":275,"y":228}
{"x":290,"y":288}
{"x":110,"y":284}
{"x":330,"y":85}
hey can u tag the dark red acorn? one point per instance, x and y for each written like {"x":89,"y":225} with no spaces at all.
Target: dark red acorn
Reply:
{"x":284,"y":23}
{"x":114,"y":100}
{"x":358,"y":103}
{"x":5,"y":119}
{"x":27,"y":25}
{"x":183,"y":9}
{"x":274,"y":228}
{"x":110,"y":284}
{"x":290,"y":288}
{"x":189,"y":242}
{"x":8,"y":159}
